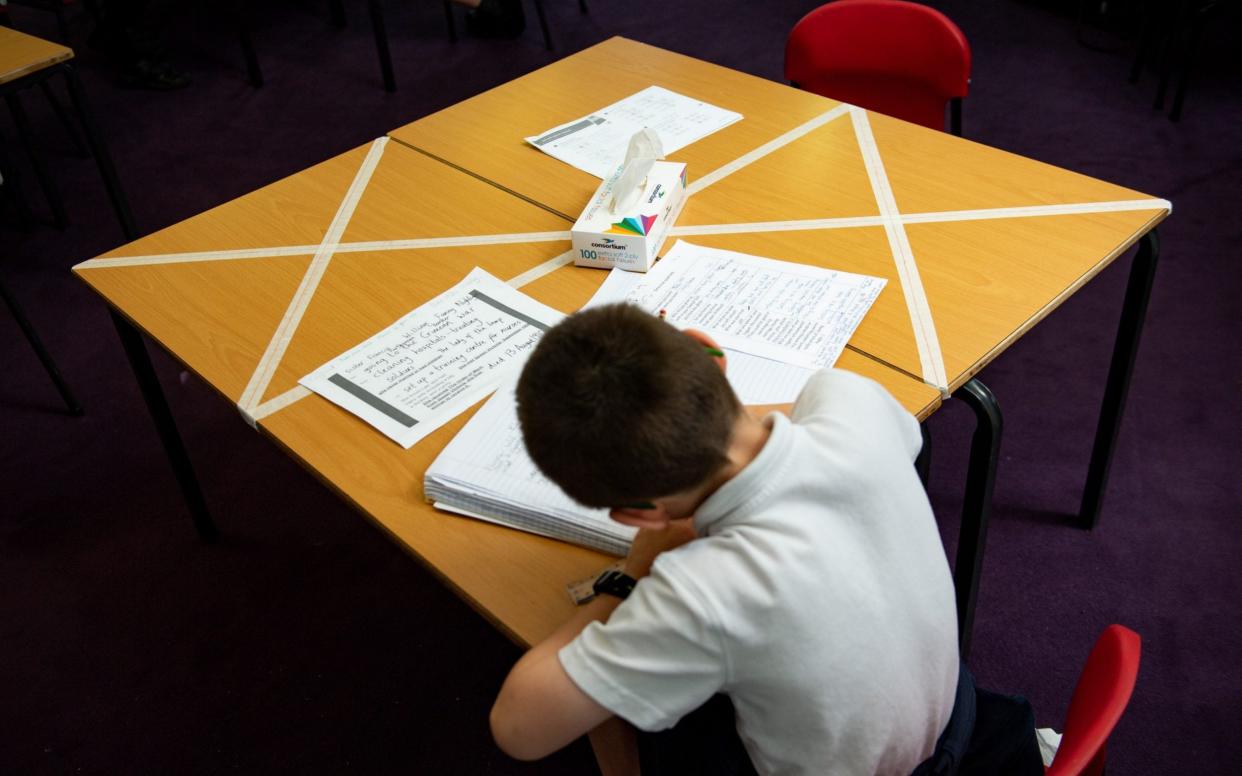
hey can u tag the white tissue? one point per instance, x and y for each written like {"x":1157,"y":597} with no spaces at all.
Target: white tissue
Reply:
{"x":644,"y":150}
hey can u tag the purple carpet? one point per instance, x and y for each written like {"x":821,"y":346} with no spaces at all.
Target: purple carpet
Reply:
{"x":306,"y":641}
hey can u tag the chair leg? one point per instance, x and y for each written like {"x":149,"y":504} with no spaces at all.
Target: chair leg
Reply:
{"x":1125,"y":349}
{"x":253,"y":72}
{"x":64,"y":118}
{"x":381,"y":44}
{"x":50,"y":192}
{"x":955,"y":116}
{"x":451,"y":20}
{"x":336,"y":9}
{"x":582,"y":6}
{"x":1190,"y":55}
{"x":1146,"y":38}
{"x":71,"y":403}
{"x":1167,"y":53}
{"x":543,"y":24}
{"x":922,"y":464}
{"x":61,"y":24}
{"x":103,"y":160}
{"x":157,"y":405}
{"x":977,"y":505}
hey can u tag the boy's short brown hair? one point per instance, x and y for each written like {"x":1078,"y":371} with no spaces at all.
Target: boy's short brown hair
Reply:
{"x":617,"y":406}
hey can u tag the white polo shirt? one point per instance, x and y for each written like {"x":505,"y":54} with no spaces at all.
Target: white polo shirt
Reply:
{"x":817,"y":596}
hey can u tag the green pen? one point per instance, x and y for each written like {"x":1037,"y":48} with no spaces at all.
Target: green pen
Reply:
{"x":717,"y":352}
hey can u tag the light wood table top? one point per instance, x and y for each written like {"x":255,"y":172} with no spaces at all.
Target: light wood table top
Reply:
{"x":22,"y":54}
{"x":484,"y":133}
{"x":987,"y":279}
{"x":216,"y":313}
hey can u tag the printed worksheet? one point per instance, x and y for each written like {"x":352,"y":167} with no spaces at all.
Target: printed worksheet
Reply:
{"x":433,"y":363}
{"x":597,"y":143}
{"x":791,"y":313}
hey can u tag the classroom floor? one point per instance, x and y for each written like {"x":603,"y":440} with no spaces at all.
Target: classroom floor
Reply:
{"x":307,"y":641}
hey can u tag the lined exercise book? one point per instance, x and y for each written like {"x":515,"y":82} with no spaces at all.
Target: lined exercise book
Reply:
{"x":485,"y":473}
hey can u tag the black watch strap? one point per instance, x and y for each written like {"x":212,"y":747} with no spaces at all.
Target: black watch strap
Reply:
{"x":615,"y":583}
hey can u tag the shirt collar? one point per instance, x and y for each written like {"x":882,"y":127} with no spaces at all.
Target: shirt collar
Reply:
{"x":750,"y":485}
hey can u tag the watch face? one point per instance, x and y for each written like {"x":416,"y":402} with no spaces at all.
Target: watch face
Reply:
{"x":614,"y":583}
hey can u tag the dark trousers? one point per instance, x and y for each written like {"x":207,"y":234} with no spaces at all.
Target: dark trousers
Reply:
{"x":988,"y":734}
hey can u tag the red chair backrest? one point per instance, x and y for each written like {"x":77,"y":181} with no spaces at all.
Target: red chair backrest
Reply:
{"x":1103,"y":690}
{"x":890,"y":56}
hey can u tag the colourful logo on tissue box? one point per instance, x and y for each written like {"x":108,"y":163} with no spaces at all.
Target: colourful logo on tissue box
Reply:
{"x":640,"y":225}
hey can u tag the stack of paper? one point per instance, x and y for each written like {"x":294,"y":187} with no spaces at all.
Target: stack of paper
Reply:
{"x":485,"y":473}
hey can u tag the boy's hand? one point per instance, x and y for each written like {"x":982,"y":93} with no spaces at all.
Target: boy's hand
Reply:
{"x":761,"y":411}
{"x":649,"y":542}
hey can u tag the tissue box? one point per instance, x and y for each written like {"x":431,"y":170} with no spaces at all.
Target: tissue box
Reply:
{"x":630,"y":240}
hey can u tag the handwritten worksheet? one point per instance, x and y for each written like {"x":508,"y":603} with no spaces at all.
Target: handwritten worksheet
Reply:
{"x":597,"y":143}
{"x":791,"y":313}
{"x":755,"y":380}
{"x":433,"y":363}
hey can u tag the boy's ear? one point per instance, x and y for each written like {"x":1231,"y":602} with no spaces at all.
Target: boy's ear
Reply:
{"x":655,"y":519}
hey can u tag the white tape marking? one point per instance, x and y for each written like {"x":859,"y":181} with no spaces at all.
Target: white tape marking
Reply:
{"x":765,"y":149}
{"x":266,"y":368}
{"x":930,"y":358}
{"x":193,"y":256}
{"x":777,"y":226}
{"x":451,"y":242}
{"x":534,"y":273}
{"x":1030,"y":211}
{"x":280,"y":402}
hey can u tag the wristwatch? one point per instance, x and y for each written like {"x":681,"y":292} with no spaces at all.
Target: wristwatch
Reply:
{"x":615,"y":583}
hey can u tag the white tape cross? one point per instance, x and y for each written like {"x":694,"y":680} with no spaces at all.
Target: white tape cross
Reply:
{"x":266,"y":368}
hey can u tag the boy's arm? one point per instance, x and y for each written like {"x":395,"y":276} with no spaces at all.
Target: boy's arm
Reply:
{"x":539,"y":708}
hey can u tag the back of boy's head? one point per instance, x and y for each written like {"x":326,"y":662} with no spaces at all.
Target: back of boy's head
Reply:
{"x":617,"y":406}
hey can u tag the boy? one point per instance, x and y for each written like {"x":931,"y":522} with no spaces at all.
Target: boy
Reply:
{"x":793,"y":565}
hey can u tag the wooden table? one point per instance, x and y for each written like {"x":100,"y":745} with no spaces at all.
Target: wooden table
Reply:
{"x":213,"y":289}
{"x":27,"y":61}
{"x":978,"y":244}
{"x":22,"y":54}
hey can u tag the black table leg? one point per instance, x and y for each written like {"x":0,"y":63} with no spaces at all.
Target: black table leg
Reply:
{"x":24,"y":131}
{"x":977,"y":504}
{"x":103,"y":160}
{"x":71,"y":403}
{"x":12,"y":186}
{"x":64,"y":118}
{"x":1133,"y":311}
{"x":157,"y":405}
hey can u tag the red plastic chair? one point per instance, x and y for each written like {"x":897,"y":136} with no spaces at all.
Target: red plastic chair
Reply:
{"x":890,"y":56}
{"x":1103,"y":690}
